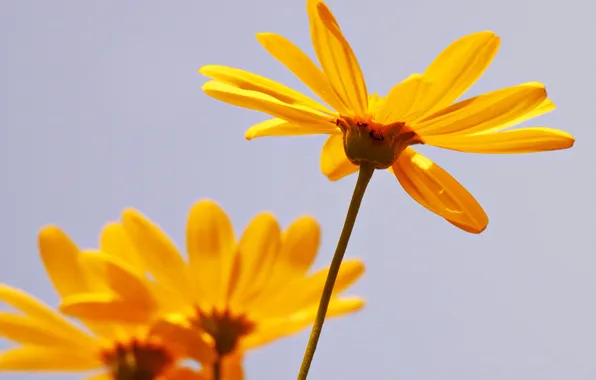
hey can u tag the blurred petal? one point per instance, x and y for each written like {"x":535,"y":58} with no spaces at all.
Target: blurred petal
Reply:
{"x":41,"y":358}
{"x":253,"y":82}
{"x":115,"y":242}
{"x":337,"y":58}
{"x":457,"y":68}
{"x":525,"y":140}
{"x":334,"y":162}
{"x":438,"y":191}
{"x":26,"y":330}
{"x":211,"y":247}
{"x":484,"y":112}
{"x":280,"y":127}
{"x":303,"y":67}
{"x":186,"y":342}
{"x":104,"y":307}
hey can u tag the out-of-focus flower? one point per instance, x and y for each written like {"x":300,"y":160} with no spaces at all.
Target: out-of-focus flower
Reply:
{"x":241,"y":294}
{"x":120,"y":350}
{"x":364,"y":127}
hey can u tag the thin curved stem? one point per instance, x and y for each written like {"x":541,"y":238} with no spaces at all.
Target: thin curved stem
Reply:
{"x":364,"y":175}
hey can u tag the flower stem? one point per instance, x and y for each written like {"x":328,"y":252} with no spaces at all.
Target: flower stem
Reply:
{"x":364,"y":175}
{"x":217,"y":369}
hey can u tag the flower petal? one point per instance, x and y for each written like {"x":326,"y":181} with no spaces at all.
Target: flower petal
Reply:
{"x":258,"y":250}
{"x":546,"y":106}
{"x":185,"y":342}
{"x":105,"y":307}
{"x":44,"y":315}
{"x":485,"y":111}
{"x":26,"y":330}
{"x":438,"y":191}
{"x":211,"y":247}
{"x":525,"y":140}
{"x":294,"y":323}
{"x":280,"y":127}
{"x":59,"y":255}
{"x":257,"y":101}
{"x":115,"y":242}
{"x":400,"y":103}
{"x":334,"y":162}
{"x":457,"y":68}
{"x":337,"y":58}
{"x":161,"y":255}
{"x":253,"y":82}
{"x":303,"y":67}
{"x":42,"y":358}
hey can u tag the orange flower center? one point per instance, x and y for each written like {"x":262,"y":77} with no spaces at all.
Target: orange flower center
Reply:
{"x":375,"y":143}
{"x":137,"y":360}
{"x":225,"y":329}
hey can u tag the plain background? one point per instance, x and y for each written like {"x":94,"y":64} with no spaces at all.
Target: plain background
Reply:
{"x":101,"y":108}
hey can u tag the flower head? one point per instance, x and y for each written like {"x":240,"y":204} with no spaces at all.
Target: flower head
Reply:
{"x":47,"y":341}
{"x":364,"y":127}
{"x":240,"y":294}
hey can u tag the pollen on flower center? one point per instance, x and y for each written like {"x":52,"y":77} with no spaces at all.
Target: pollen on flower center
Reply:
{"x":225,"y":329}
{"x":136,"y":360}
{"x":375,"y":143}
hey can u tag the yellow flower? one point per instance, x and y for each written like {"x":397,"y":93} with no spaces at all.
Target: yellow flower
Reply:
{"x":241,"y":294}
{"x":118,"y":350}
{"x":381,"y":131}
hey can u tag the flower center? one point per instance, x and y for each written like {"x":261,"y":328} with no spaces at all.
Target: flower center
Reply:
{"x":137,"y":360}
{"x":225,"y":329}
{"x":375,"y":143}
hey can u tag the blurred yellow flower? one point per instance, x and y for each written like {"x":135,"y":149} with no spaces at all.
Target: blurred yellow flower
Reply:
{"x":240,"y":294}
{"x":122,"y":351}
{"x":367,"y":128}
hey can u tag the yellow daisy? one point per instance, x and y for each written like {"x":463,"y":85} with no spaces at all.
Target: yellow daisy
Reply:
{"x":242,"y":294}
{"x":46,"y":341}
{"x":367,"y":128}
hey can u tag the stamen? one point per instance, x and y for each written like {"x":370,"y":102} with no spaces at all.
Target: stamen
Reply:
{"x":137,"y":360}
{"x":225,"y":328}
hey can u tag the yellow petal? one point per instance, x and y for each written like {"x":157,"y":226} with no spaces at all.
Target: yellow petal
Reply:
{"x":184,"y":342}
{"x":485,"y":111}
{"x":438,"y":191}
{"x":105,"y":307}
{"x":258,"y":250}
{"x":337,"y":58}
{"x":211,"y":247}
{"x":303,"y":67}
{"x":457,"y":68}
{"x":546,"y":106}
{"x":401,"y":101}
{"x":26,"y":330}
{"x":300,"y":243}
{"x":59,"y":255}
{"x":44,"y":315}
{"x":253,"y":82}
{"x":161,"y":255}
{"x":183,"y":373}
{"x":294,"y":323}
{"x":100,"y":376}
{"x":257,"y":101}
{"x":334,"y":162}
{"x":115,"y":242}
{"x":280,"y":127}
{"x":524,"y":140}
{"x":41,"y":358}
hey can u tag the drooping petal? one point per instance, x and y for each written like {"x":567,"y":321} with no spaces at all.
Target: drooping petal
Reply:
{"x":334,"y":162}
{"x":253,"y":82}
{"x":295,"y":114}
{"x":161,"y":255}
{"x":105,"y":307}
{"x":457,"y":68}
{"x":484,"y":112}
{"x":280,"y":127}
{"x":44,"y":315}
{"x":185,"y":342}
{"x":115,"y":242}
{"x":303,"y":67}
{"x":48,"y":358}
{"x":438,"y":191}
{"x":337,"y":58}
{"x":59,"y":255}
{"x":546,"y":106}
{"x":296,"y":322}
{"x":524,"y":140}
{"x":257,"y":252}
{"x":211,"y":247}
{"x":401,"y":101}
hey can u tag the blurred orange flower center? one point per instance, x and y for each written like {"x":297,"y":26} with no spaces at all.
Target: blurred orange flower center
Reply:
{"x":137,"y":360}
{"x":225,"y":329}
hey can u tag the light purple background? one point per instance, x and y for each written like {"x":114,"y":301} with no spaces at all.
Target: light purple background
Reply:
{"x":101,"y":108}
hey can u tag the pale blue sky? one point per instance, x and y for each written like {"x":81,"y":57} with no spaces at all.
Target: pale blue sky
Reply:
{"x":101,"y":108}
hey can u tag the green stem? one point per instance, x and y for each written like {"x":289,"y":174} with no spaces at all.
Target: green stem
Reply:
{"x":364,"y":176}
